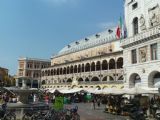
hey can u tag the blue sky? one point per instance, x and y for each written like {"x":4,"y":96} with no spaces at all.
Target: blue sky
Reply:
{"x":40,"y":28}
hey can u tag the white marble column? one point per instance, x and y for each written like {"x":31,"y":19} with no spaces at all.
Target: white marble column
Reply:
{"x":24,"y":83}
{"x":17,"y":80}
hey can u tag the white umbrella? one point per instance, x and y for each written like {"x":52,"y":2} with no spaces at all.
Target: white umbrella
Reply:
{"x":74,"y":90}
{"x":139,"y":90}
{"x":52,"y":90}
{"x":114,"y":91}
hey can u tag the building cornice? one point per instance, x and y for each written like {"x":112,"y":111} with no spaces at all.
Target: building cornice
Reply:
{"x":145,"y":36}
{"x":34,"y":59}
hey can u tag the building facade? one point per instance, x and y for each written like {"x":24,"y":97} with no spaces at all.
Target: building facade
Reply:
{"x":3,"y":75}
{"x":141,"y":50}
{"x":29,"y":72}
{"x":93,"y":62}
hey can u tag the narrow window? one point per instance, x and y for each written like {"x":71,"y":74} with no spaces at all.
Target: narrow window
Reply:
{"x":135,"y":26}
{"x":154,"y":51}
{"x":134,"y":6}
{"x":134,"y":56}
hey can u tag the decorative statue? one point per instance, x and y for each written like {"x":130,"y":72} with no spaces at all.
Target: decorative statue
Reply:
{"x":142,"y":23}
{"x":143,"y":54}
{"x":154,"y":15}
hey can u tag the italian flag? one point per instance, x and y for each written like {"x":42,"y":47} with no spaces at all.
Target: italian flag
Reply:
{"x":119,"y":29}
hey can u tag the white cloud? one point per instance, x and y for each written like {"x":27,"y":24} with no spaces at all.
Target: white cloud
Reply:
{"x":105,"y":25}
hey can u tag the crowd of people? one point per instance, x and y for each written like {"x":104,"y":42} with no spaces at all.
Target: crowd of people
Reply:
{"x":114,"y":104}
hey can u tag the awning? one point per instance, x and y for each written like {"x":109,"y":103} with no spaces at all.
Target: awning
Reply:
{"x":74,"y":90}
{"x":140,"y":90}
{"x":113,"y":91}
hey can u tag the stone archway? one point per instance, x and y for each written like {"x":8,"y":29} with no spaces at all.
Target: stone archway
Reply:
{"x":121,"y":77}
{"x":104,"y":65}
{"x":93,"y":68}
{"x":112,"y":64}
{"x":134,"y":80}
{"x":111,"y":78}
{"x":43,"y":82}
{"x":98,"y":65}
{"x":105,"y":87}
{"x":87,"y":67}
{"x":87,"y":80}
{"x":154,"y":79}
{"x":105,"y":78}
{"x":69,"y":80}
{"x":80,"y":80}
{"x":98,"y":87}
{"x":74,"y":86}
{"x":95,"y":79}
{"x":120,"y":63}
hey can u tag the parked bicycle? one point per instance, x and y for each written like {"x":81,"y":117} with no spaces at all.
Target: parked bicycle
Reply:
{"x":6,"y":114}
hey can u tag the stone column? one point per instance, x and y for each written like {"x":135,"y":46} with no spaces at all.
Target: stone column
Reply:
{"x":17,"y":80}
{"x":107,"y":77}
{"x":24,"y":83}
{"x":31,"y":83}
{"x":39,"y":83}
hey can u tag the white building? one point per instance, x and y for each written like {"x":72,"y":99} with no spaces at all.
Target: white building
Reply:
{"x":141,"y":50}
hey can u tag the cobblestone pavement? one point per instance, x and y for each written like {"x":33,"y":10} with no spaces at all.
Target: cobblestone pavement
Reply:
{"x":87,"y":112}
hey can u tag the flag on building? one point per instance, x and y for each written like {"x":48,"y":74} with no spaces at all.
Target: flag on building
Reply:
{"x":118,"y":32}
{"x":119,"y":29}
{"x":124,"y":30}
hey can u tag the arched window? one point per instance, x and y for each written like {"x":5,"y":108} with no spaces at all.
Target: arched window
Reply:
{"x":80,"y":80}
{"x":98,"y":66}
{"x":82,"y":67}
{"x":95,"y":79}
{"x":75,"y":69}
{"x":112,"y":64}
{"x":87,"y":80}
{"x":135,"y":26}
{"x":104,"y":65}
{"x":105,"y":78}
{"x":120,"y":63}
{"x":64,"y":70}
{"x":87,"y":67}
{"x":79,"y":68}
{"x":52,"y":72}
{"x":93,"y":66}
{"x":68,"y":70}
{"x":57,"y":71}
{"x":69,"y":80}
{"x":71,"y":69}
{"x":134,"y":80}
{"x":46,"y":73}
{"x":42,"y":73}
{"x":43,"y":82}
{"x":60,"y":71}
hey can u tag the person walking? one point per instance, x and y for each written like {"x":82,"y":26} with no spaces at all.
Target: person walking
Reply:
{"x":98,"y":102}
{"x":94,"y":103}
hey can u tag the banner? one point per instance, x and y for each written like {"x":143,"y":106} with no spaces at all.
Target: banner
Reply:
{"x":59,"y":103}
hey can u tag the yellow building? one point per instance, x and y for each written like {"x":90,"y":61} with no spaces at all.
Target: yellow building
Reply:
{"x":92,"y":62}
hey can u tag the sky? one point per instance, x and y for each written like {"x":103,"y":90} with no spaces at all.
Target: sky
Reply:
{"x":41,"y":28}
